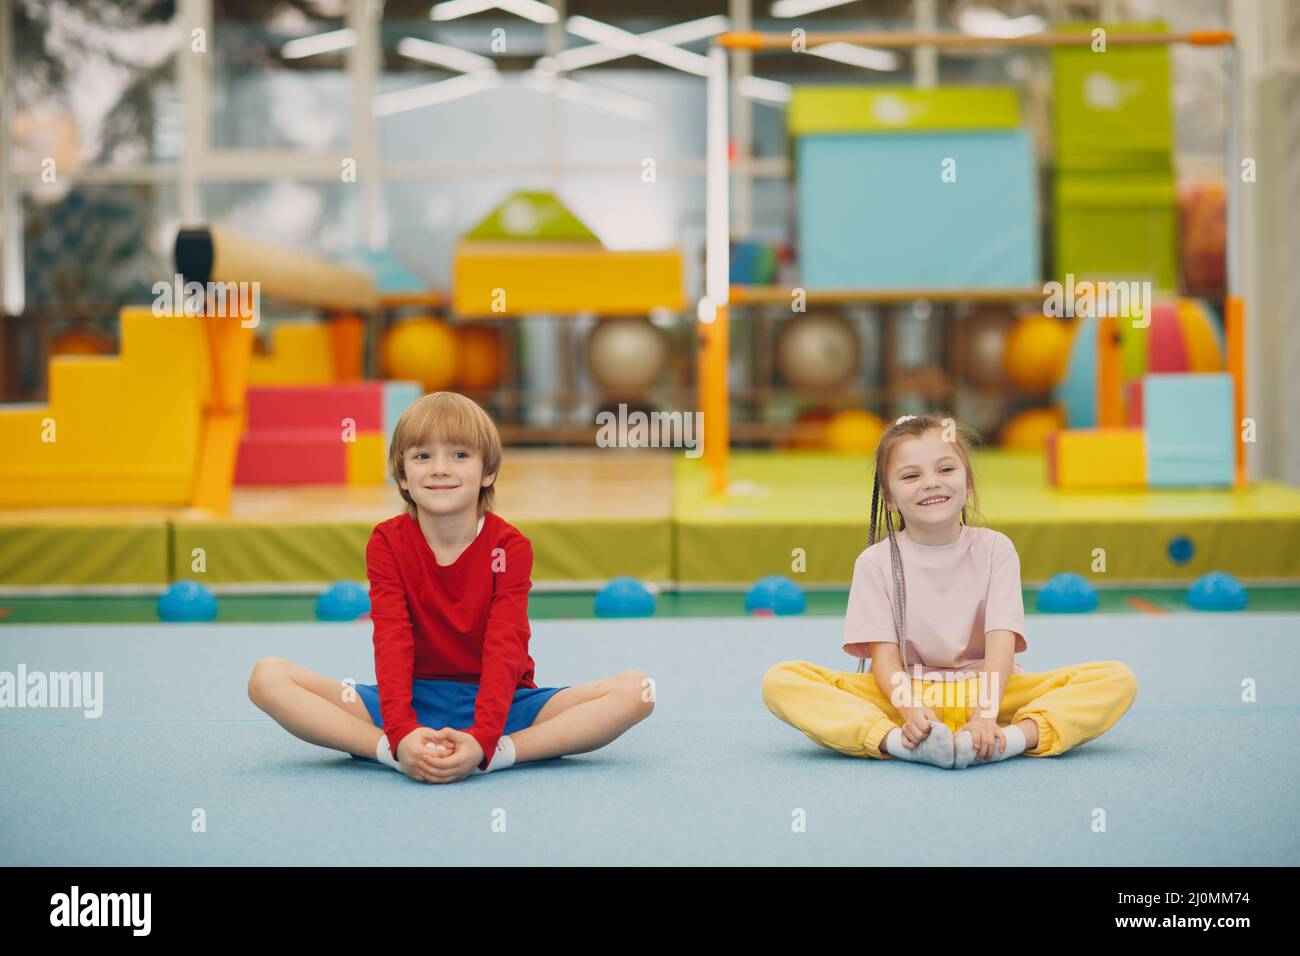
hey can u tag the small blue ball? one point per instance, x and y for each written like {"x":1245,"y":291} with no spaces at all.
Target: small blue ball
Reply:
{"x":624,"y":597}
{"x":1067,"y":593}
{"x":187,"y":601}
{"x":775,"y":594}
{"x":343,"y":601}
{"x":1216,"y":591}
{"x":1181,"y":550}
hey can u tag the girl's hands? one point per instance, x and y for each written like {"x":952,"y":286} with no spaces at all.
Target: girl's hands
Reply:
{"x":916,"y":724}
{"x":985,"y":735}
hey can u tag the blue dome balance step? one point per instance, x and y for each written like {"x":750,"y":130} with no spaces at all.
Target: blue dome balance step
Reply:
{"x":624,"y":597}
{"x":1216,"y":591}
{"x":343,"y":601}
{"x":1067,"y":593}
{"x":187,"y":601}
{"x":775,"y":594}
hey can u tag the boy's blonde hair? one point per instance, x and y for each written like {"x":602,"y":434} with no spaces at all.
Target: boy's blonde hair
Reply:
{"x":910,"y":426}
{"x":454,"y":419}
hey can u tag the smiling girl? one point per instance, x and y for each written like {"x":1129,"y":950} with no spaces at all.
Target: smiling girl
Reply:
{"x":937,"y":607}
{"x":449,"y":582}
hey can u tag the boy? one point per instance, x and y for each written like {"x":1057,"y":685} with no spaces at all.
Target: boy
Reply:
{"x":449,"y":582}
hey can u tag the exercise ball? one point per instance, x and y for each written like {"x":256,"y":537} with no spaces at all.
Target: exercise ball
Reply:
{"x":817,"y":351}
{"x":1202,"y":336}
{"x":854,"y":432}
{"x":1035,"y":353}
{"x":1183,"y":335}
{"x":1030,"y":429}
{"x":626,"y":355}
{"x":83,"y":341}
{"x":810,"y":429}
{"x":421,"y":350}
{"x":478,"y":357}
{"x":981,"y":341}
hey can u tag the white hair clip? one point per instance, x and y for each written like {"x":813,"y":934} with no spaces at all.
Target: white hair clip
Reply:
{"x":904,"y":418}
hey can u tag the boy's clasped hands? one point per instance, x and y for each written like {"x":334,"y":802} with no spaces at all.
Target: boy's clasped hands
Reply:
{"x":438,"y":756}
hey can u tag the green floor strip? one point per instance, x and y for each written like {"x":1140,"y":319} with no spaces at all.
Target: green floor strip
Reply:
{"x":552,"y":605}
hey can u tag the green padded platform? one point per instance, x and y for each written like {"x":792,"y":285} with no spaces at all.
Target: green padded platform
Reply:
{"x":820,"y":503}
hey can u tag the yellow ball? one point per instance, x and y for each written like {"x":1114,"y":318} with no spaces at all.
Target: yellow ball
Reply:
{"x":854,"y":433}
{"x":1036,"y":352}
{"x":421,"y":350}
{"x":1029,"y":430}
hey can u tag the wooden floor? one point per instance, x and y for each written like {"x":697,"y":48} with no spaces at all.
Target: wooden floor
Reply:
{"x":552,"y":484}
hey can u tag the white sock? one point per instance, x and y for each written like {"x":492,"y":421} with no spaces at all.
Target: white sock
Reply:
{"x":504,"y":757}
{"x":385,"y":756}
{"x":935,"y":749}
{"x":1016,"y":744}
{"x":964,"y":747}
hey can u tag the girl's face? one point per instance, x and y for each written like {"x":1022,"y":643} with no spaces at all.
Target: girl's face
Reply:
{"x":927,"y":481}
{"x":444,"y":477}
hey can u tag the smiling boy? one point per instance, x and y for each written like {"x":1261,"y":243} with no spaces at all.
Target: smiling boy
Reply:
{"x":449,"y":582}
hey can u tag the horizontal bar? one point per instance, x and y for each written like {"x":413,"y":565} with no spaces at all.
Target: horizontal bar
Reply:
{"x":755,"y":42}
{"x":743,"y":294}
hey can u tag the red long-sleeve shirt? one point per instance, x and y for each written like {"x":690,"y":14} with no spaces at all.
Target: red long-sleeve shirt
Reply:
{"x":466,"y":622}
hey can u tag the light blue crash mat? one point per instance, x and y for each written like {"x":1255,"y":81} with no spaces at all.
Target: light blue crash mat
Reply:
{"x":1191,"y":775}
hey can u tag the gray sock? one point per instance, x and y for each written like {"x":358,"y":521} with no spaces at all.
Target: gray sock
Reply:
{"x":935,"y":749}
{"x":963,"y":750}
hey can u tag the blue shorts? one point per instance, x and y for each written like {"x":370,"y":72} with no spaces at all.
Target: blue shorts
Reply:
{"x":449,"y":703}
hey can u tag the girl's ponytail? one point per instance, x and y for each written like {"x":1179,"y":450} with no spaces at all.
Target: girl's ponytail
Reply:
{"x":896,"y":561}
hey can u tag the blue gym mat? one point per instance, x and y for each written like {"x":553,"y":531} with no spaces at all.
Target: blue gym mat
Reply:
{"x":1191,"y":775}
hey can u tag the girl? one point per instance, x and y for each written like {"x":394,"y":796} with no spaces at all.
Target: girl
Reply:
{"x":938,"y":609}
{"x":449,"y":582}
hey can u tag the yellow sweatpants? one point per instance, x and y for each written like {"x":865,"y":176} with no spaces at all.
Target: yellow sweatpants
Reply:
{"x":847,"y":711}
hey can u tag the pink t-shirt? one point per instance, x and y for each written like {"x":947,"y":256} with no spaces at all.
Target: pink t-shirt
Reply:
{"x":956,"y":593}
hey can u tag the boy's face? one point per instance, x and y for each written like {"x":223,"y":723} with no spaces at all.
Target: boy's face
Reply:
{"x":444,"y":478}
{"x":924,"y":467}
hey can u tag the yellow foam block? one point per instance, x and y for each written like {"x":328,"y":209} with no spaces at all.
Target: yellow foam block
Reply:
{"x":519,"y":278}
{"x":1100,"y":458}
{"x":302,"y":353}
{"x":125,"y":428}
{"x":366,"y":461}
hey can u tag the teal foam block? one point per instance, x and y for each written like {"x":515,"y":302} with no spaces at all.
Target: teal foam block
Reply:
{"x":398,"y":396}
{"x":874,"y":211}
{"x":1190,"y":433}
